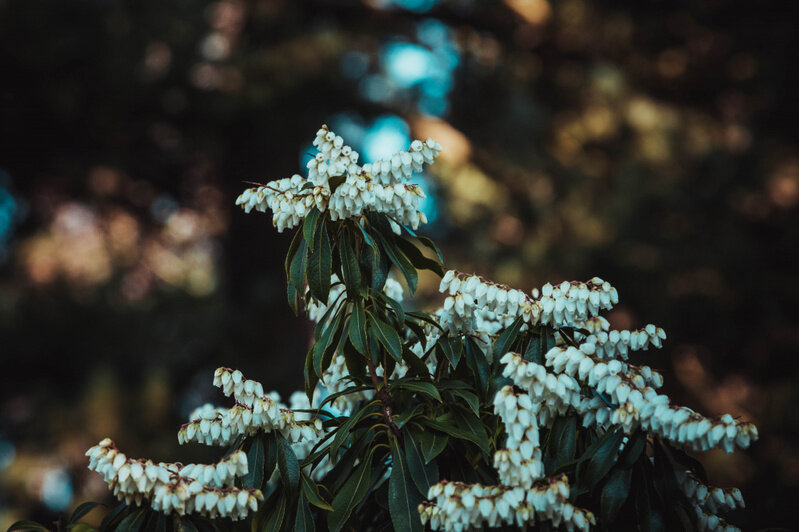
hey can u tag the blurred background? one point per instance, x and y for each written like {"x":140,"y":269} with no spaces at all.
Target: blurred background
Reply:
{"x":653,"y":144}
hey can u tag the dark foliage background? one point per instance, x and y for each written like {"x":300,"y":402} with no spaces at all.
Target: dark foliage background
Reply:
{"x":651,"y":143}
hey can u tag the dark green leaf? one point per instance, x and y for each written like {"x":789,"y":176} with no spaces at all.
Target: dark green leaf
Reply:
{"x":296,"y":276}
{"x":357,"y":327}
{"x":424,"y":388}
{"x":403,"y":498}
{"x":603,"y":459}
{"x":649,"y":518}
{"x":416,"y":257}
{"x":320,"y":264}
{"x":27,"y":525}
{"x":395,"y":306}
{"x":452,"y":348}
{"x":477,"y":363}
{"x":111,"y":517}
{"x":633,"y":450}
{"x":311,"y":493}
{"x":424,"y":474}
{"x":309,"y":227}
{"x":287,"y":464}
{"x":276,"y":515}
{"x":82,"y":510}
{"x":344,"y":430}
{"x":406,"y":415}
{"x":304,"y":521}
{"x":614,"y":494}
{"x":349,"y":265}
{"x":133,"y":521}
{"x":184,"y":525}
{"x":462,"y":426}
{"x":429,"y":244}
{"x":567,"y":439}
{"x":400,"y":261}
{"x":386,"y":335}
{"x":324,"y":349}
{"x":292,"y":251}
{"x":471,"y":399}
{"x":425,"y":317}
{"x":432,"y":444}
{"x":310,"y":376}
{"x":350,"y":495}
{"x":255,"y":463}
{"x":503,"y":344}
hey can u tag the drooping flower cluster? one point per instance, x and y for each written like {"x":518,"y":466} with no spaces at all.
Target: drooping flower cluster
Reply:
{"x":338,"y":185}
{"x":253,"y":412}
{"x":587,"y":372}
{"x":472,"y":298}
{"x":205,"y":489}
{"x":457,"y":506}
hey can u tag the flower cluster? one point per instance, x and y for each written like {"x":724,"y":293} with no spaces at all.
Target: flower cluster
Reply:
{"x":253,"y":412}
{"x":206,"y":489}
{"x":568,"y":304}
{"x":456,"y":506}
{"x":337,"y":184}
{"x":519,"y":464}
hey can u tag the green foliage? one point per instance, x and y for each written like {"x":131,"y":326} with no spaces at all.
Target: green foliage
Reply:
{"x":423,"y":427}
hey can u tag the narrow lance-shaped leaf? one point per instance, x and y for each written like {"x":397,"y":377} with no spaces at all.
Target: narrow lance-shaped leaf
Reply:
{"x":320,"y":264}
{"x":309,"y":227}
{"x":287,"y":464}
{"x":503,"y":344}
{"x":349,"y":264}
{"x":350,"y":495}
{"x":357,"y":328}
{"x":311,"y":493}
{"x":424,"y":474}
{"x":387,"y":336}
{"x":304,"y":520}
{"x":255,"y":464}
{"x":614,"y":494}
{"x":403,"y":497}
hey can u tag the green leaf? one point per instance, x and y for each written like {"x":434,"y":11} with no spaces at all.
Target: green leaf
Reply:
{"x":603,"y":459}
{"x":159,"y":524}
{"x":478,"y":364}
{"x":431,"y":245}
{"x":336,"y":181}
{"x":304,"y":521}
{"x":292,"y":252}
{"x":350,"y":495}
{"x":311,"y":493}
{"x":395,"y":306}
{"x":344,"y":430}
{"x":311,"y":378}
{"x":400,"y":261}
{"x":276,"y":516}
{"x":471,"y":399}
{"x":406,"y":415}
{"x":255,"y":462}
{"x":566,"y":442}
{"x":614,"y":494}
{"x":425,"y":317}
{"x":309,"y":227}
{"x":633,"y":450}
{"x":403,"y":499}
{"x":287,"y":464}
{"x":417,"y":258}
{"x":432,"y":444}
{"x":82,"y":510}
{"x":184,"y":525}
{"x":357,"y":328}
{"x":111,"y":517}
{"x":387,"y":336}
{"x":503,"y":344}
{"x":324,"y":349}
{"x":27,"y":525}
{"x":452,"y":348}
{"x":349,"y":265}
{"x":133,"y":522}
{"x":462,"y":426}
{"x":320,"y":264}
{"x":424,"y":474}
{"x":296,"y":276}
{"x":425,"y":388}
{"x":83,"y":527}
{"x":649,"y":518}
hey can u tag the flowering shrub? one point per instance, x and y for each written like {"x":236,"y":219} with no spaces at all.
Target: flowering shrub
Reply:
{"x":500,"y":409}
